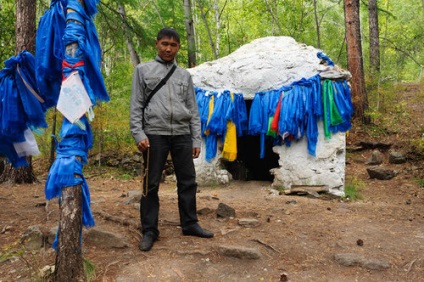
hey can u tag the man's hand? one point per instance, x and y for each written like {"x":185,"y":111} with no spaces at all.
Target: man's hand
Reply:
{"x":196,"y":153}
{"x":143,"y":145}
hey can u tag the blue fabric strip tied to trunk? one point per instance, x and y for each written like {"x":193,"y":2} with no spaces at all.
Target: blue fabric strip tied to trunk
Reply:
{"x":76,"y":139}
{"x":22,"y":107}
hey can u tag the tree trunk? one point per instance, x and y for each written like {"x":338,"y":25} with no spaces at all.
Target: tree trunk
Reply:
{"x":374,"y":37}
{"x":1,"y":166}
{"x":218,"y":28}
{"x":205,"y":21}
{"x":135,"y":59}
{"x":25,"y":29}
{"x":317,"y":25}
{"x":355,"y":62}
{"x":69,"y":264}
{"x":189,"y":24}
{"x":18,"y":175}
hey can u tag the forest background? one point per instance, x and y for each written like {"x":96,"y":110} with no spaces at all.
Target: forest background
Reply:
{"x":127,"y":30}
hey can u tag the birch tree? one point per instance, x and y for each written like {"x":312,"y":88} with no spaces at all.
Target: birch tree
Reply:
{"x":135,"y":59}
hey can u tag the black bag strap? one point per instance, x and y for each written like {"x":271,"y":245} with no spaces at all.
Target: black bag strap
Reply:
{"x":159,"y":85}
{"x":156,"y":89}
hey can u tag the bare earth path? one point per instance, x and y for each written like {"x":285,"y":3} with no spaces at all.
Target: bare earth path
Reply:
{"x":298,"y":236}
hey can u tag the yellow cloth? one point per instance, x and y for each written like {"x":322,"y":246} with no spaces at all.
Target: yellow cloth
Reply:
{"x":229,"y":151}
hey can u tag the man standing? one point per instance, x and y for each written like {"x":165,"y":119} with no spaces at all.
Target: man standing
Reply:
{"x":164,"y":119}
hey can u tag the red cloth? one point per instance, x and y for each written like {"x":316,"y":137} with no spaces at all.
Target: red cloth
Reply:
{"x":274,"y":124}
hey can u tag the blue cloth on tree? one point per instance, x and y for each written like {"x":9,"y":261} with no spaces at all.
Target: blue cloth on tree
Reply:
{"x":21,"y":106}
{"x":70,"y":159}
{"x":50,"y":51}
{"x":89,"y":51}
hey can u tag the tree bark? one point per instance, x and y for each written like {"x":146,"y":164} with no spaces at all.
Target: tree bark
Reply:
{"x":135,"y":59}
{"x":18,"y":175}
{"x":69,"y":264}
{"x":374,"y":37}
{"x":355,"y":61}
{"x":317,"y":25}
{"x":25,"y":29}
{"x":218,"y":28}
{"x":189,"y":25}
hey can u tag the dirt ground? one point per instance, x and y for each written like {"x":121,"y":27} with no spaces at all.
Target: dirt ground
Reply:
{"x":297,"y":238}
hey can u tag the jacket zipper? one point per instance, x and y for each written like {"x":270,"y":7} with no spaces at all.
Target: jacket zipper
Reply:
{"x":170,"y":103}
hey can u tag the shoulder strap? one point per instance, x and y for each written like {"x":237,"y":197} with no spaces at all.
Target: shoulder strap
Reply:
{"x":159,"y":85}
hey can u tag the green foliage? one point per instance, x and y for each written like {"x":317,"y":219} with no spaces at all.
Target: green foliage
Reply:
{"x":7,"y":30}
{"x":89,"y":270}
{"x":387,"y":106}
{"x":280,"y":189}
{"x":420,"y":182}
{"x":400,"y":30}
{"x":418,"y":143}
{"x":353,"y":189}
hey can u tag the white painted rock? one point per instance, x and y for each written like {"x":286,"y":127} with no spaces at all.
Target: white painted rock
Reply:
{"x":265,"y":64}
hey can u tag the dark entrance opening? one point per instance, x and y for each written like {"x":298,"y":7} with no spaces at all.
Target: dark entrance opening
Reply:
{"x":249,"y":165}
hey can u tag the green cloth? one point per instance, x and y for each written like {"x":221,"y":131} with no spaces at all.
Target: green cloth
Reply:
{"x":333,"y":118}
{"x":270,"y":132}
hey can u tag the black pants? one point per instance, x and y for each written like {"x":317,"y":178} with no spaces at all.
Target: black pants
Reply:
{"x":181,"y":149}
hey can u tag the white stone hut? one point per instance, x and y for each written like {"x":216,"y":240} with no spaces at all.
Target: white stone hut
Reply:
{"x":267,"y":64}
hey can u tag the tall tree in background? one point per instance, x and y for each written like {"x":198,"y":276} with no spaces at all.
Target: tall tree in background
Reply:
{"x":317,"y":24}
{"x":189,"y":24}
{"x":355,"y":61}
{"x":25,"y":26}
{"x":25,"y":30}
{"x":203,"y":13}
{"x":135,"y":59}
{"x":218,"y":27}
{"x":374,"y":37}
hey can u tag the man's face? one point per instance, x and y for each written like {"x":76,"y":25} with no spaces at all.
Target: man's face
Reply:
{"x":167,"y":48}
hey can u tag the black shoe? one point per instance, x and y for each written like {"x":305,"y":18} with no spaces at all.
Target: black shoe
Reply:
{"x":196,"y":230}
{"x":147,"y":242}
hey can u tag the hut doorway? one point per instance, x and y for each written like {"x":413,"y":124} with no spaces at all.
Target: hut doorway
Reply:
{"x":249,"y":165}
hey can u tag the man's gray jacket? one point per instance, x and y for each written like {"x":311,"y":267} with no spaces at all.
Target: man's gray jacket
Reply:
{"x":171,"y":111}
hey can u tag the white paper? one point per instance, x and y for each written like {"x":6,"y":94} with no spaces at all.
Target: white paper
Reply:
{"x":29,"y":147}
{"x":73,"y":101}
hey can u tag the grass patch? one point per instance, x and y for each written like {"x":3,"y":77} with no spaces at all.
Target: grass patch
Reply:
{"x":353,"y":190}
{"x":419,"y":181}
{"x":89,"y":270}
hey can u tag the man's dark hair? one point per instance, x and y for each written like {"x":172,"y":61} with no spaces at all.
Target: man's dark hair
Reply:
{"x":168,"y":32}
